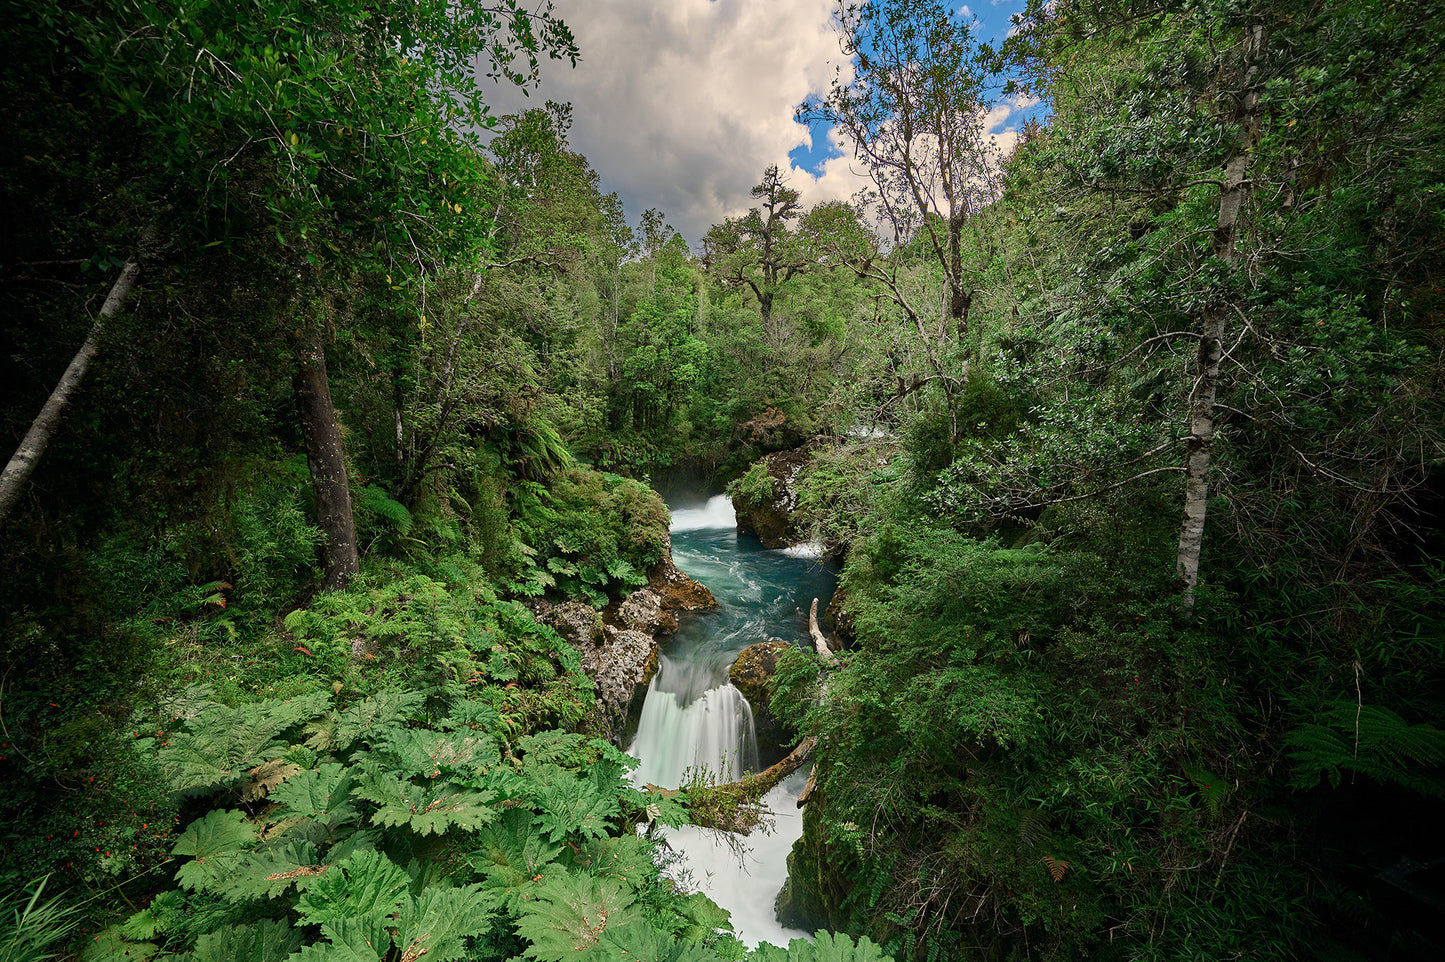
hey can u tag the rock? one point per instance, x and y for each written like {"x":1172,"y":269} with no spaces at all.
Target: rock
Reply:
{"x":620,"y":661}
{"x":819,"y":876}
{"x":750,"y":673}
{"x":771,"y":517}
{"x":677,"y":591}
{"x":642,"y":611}
{"x":840,"y":615}
{"x":752,"y":669}
{"x":620,"y":668}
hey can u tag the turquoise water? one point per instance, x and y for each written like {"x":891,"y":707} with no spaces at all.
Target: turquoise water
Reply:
{"x":693,"y":717}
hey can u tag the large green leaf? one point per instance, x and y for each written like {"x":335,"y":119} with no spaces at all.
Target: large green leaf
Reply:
{"x":221,"y":744}
{"x":366,"y":720}
{"x":570,"y":914}
{"x":626,"y":858}
{"x":426,"y":809}
{"x":367,"y":884}
{"x":576,"y":805}
{"x":435,"y":925}
{"x":216,"y":843}
{"x":274,"y":869}
{"x":350,"y":940}
{"x":429,"y":754}
{"x":266,"y":941}
{"x":825,"y":947}
{"x":323,"y":795}
{"x":640,"y":942}
{"x":511,"y":854}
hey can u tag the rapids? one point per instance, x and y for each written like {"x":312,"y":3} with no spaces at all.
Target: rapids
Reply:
{"x":693,"y":717}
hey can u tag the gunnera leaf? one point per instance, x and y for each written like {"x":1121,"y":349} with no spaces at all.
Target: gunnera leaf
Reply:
{"x":426,"y":809}
{"x":217,"y":844}
{"x":825,"y":947}
{"x":367,"y":884}
{"x":570,"y":914}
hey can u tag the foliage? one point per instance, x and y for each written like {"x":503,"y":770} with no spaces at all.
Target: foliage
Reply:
{"x":28,"y":931}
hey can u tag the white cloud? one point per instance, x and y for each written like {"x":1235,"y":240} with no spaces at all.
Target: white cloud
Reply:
{"x":681,"y":104}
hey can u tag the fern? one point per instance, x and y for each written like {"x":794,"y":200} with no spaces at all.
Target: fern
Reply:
{"x":377,"y":502}
{"x":1371,"y":741}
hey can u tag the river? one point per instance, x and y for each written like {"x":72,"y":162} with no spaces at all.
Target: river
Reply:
{"x":693,"y":717}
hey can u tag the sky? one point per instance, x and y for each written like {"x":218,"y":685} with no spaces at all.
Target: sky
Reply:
{"x":682,"y":104}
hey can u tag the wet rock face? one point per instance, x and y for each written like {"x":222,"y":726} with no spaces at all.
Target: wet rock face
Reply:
{"x":753,"y":668}
{"x":618,"y":645}
{"x":771,"y":518}
{"x":750,"y":674}
{"x":643,"y":611}
{"x":676,"y":591}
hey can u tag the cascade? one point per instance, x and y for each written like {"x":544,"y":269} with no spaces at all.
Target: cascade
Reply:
{"x":694,"y":718}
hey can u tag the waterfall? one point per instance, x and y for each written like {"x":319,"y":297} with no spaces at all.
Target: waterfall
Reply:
{"x":712,"y":731}
{"x":693,"y":718}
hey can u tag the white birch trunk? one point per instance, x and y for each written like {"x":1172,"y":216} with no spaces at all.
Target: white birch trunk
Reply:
{"x":1211,"y":334}
{"x":23,"y":462}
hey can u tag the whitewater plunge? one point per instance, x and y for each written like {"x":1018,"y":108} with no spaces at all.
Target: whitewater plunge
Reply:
{"x":694,"y":718}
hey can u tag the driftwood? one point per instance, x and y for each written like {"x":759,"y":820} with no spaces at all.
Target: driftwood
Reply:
{"x":819,"y":642}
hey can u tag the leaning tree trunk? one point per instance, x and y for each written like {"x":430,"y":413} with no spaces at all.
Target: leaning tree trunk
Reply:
{"x":32,"y":447}
{"x":326,"y":459}
{"x":1211,"y":335}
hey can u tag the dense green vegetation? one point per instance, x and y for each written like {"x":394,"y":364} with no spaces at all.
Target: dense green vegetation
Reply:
{"x":268,"y":682}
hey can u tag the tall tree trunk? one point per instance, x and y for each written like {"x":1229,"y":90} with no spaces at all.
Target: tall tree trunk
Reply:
{"x":1211,"y":335}
{"x":326,"y":459}
{"x":32,"y":447}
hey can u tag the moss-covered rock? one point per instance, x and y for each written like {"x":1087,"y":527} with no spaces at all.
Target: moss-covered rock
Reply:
{"x":767,"y":495}
{"x":819,"y":876}
{"x":750,"y":673}
{"x":677,"y":591}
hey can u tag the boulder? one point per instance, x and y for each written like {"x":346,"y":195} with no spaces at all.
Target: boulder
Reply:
{"x":770,"y":515}
{"x":620,"y":661}
{"x":676,"y":590}
{"x":750,"y":673}
{"x":643,"y":610}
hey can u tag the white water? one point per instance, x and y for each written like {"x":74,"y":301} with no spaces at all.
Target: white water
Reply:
{"x":717,"y":513}
{"x":694,"y":718}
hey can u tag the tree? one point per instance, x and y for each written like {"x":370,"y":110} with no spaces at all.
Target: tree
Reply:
{"x":758,"y":249}
{"x":335,"y":129}
{"x":916,"y":113}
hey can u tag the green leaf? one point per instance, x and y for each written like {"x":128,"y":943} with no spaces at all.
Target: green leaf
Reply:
{"x":220,"y":744}
{"x":367,"y":884}
{"x":570,"y":914}
{"x":429,"y":754}
{"x":322,"y":795}
{"x":825,"y":947}
{"x":511,"y":853}
{"x":703,"y":915}
{"x":575,"y":805}
{"x":216,"y":843}
{"x":435,"y":925}
{"x":366,"y":720}
{"x":265,"y":941}
{"x":350,"y":940}
{"x":642,"y":943}
{"x":426,"y":809}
